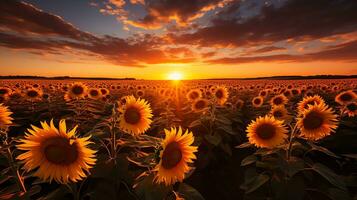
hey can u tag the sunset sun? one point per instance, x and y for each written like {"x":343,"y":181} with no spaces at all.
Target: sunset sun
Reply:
{"x":175,"y":76}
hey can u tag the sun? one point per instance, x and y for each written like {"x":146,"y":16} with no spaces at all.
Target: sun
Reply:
{"x":175,"y":76}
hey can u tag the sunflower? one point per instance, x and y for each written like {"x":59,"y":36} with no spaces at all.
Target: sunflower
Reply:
{"x":278,"y":100}
{"x":309,"y":100}
{"x":33,"y":94}
{"x":257,"y":101}
{"x":5,"y":119}
{"x":279,"y":113}
{"x":194,"y":94}
{"x":4,"y":91}
{"x":266,"y":132}
{"x":104,"y":91}
{"x":57,"y":154}
{"x":136,"y":116}
{"x":199,"y":105}
{"x":76,"y":91}
{"x":221,"y":94}
{"x":239,"y":104}
{"x":317,"y":121}
{"x":345,"y":97}
{"x":94,"y":94}
{"x":140,"y":93}
{"x":351,"y":109}
{"x":177,"y":152}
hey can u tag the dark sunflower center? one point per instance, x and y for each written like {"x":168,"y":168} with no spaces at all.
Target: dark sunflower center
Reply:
{"x":77,"y":90}
{"x":257,"y":101}
{"x":346,"y":97}
{"x":103,"y":91}
{"x":94,"y":93}
{"x":32,"y":93}
{"x":59,"y":151}
{"x":219,"y":94}
{"x":313,"y":120}
{"x":352,"y":107}
{"x":278,"y":114}
{"x":266,"y":131}
{"x":3,"y":91}
{"x":171,"y":156}
{"x":140,"y":93}
{"x":263,"y":93}
{"x":278,"y":101}
{"x":132,"y":115}
{"x":200,"y":104}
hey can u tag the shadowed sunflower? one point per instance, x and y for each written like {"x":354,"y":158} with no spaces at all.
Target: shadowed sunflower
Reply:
{"x":76,"y":91}
{"x":309,"y":100}
{"x":177,"y":152}
{"x":257,"y":101}
{"x":199,"y":105}
{"x":239,"y":104}
{"x":4,"y":91}
{"x":266,"y":132}
{"x":351,"y":109}
{"x":221,"y":94}
{"x":194,"y":94}
{"x":278,"y":100}
{"x":317,"y":121}
{"x":57,"y":154}
{"x":345,"y":97}
{"x":33,"y":94}
{"x":94,"y":94}
{"x":5,"y":119}
{"x":280,"y":113}
{"x":136,"y":116}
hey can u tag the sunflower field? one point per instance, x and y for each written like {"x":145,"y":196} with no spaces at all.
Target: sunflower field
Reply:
{"x":193,"y":140}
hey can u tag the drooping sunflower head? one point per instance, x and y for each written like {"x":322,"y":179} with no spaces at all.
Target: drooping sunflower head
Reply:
{"x":199,"y":105}
{"x":351,"y":109}
{"x":278,"y":100}
{"x":257,"y":101}
{"x":135,"y":116}
{"x":94,"y":94}
{"x":194,"y":94}
{"x":77,"y":91}
{"x":176,"y":155}
{"x":280,"y":113}
{"x":5,"y":119}
{"x":317,"y":121}
{"x":266,"y":132}
{"x":221,"y":94}
{"x":56,"y":154}
{"x":345,"y":97}
{"x":309,"y":100}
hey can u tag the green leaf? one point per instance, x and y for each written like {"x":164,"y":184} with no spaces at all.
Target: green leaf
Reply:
{"x":254,"y":183}
{"x":244,"y":145}
{"x":147,"y":189}
{"x":189,"y":193}
{"x":214,"y":139}
{"x":248,"y":160}
{"x":322,"y":150}
{"x":329,"y":175}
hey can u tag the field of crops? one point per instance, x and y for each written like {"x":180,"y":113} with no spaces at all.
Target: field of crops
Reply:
{"x":193,"y":140}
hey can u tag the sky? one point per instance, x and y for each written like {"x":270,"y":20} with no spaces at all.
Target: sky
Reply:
{"x":151,"y":39}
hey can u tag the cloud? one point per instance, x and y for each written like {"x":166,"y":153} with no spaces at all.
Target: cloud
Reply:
{"x":342,"y":52}
{"x":298,"y":19}
{"x":32,"y":29}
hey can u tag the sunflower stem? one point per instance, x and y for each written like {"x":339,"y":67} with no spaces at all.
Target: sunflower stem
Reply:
{"x":14,"y":169}
{"x":113,"y":134}
{"x":291,"y":138}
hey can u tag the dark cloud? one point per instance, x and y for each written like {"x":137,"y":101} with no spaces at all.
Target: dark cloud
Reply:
{"x":24,"y":18}
{"x":19,"y":17}
{"x":295,"y":19}
{"x":342,"y":52}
